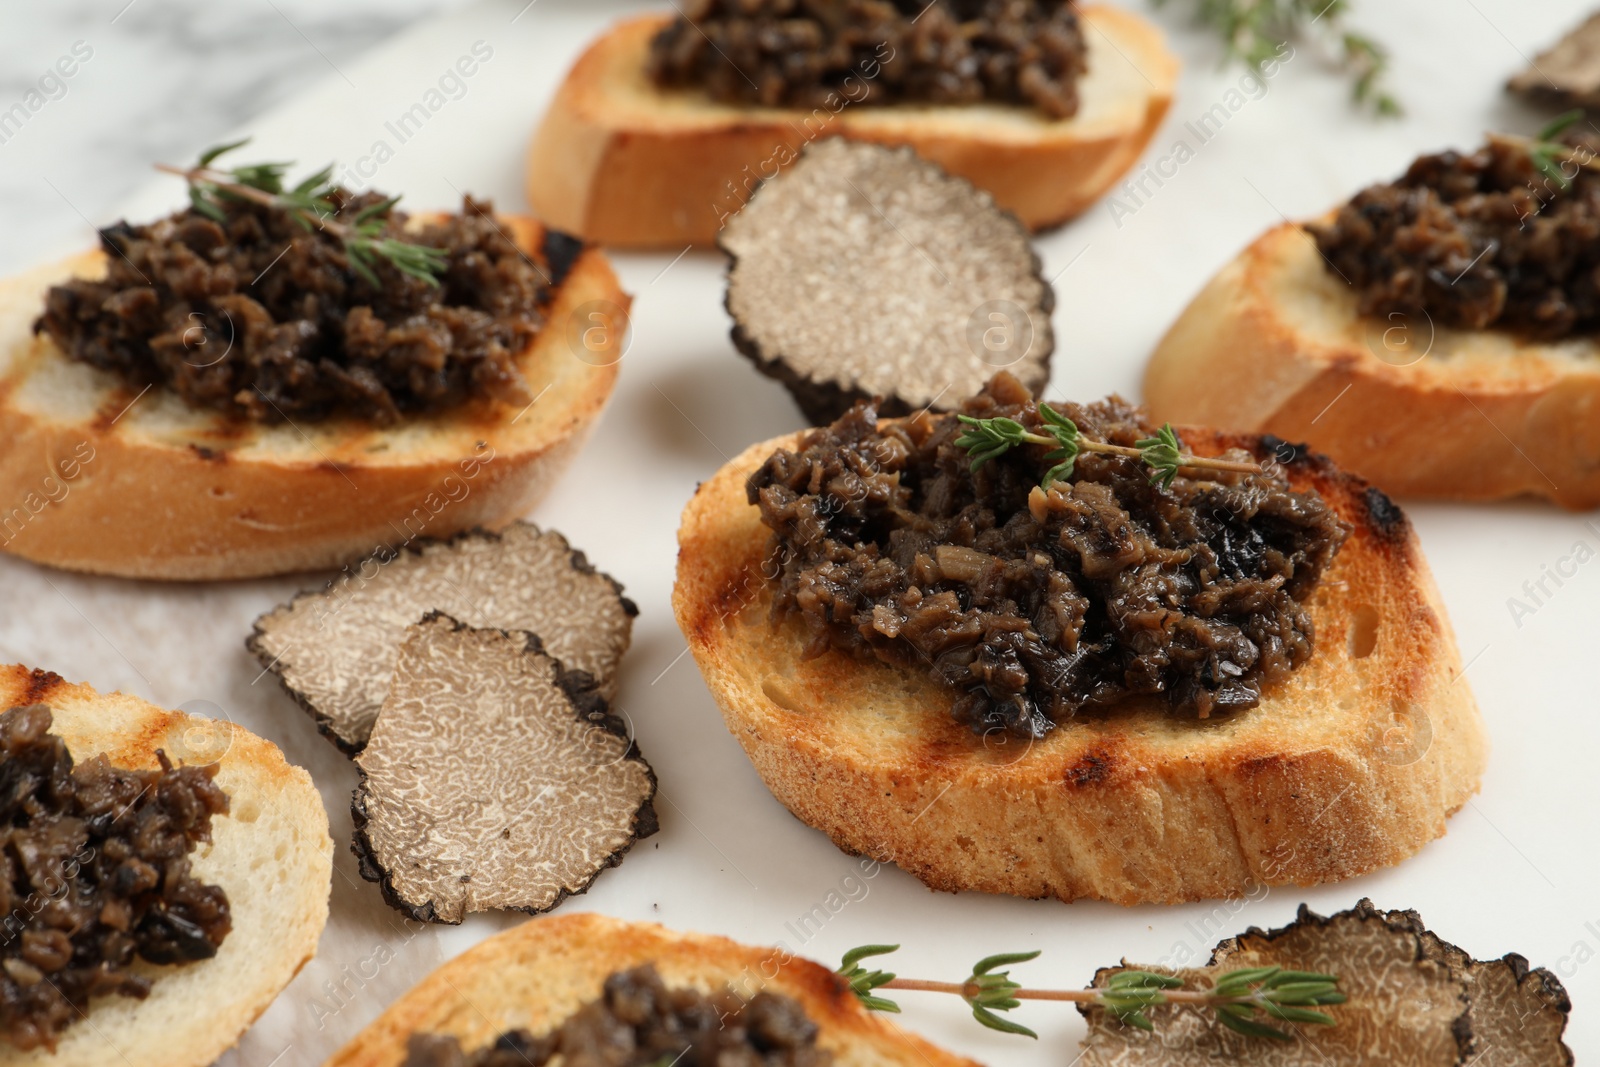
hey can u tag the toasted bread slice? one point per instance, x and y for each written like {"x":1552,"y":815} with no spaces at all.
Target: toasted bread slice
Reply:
{"x":271,"y":853}
{"x":534,"y":976}
{"x":99,"y":477}
{"x":1351,"y":764}
{"x":1275,"y":343}
{"x":624,"y":162}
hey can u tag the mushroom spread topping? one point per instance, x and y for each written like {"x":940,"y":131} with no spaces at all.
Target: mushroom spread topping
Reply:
{"x":1476,"y":240}
{"x":830,"y":53}
{"x":258,"y":318}
{"x":96,"y":873}
{"x":1037,"y":603}
{"x":639,"y":1022}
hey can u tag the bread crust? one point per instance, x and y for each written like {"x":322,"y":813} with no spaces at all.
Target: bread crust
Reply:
{"x":271,"y":853}
{"x":625,"y":163}
{"x":1350,"y":765}
{"x":1275,"y":343}
{"x":161,"y":490}
{"x":535,"y":975}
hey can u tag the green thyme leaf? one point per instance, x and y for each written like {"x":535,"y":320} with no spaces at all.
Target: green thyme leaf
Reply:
{"x":374,"y":211}
{"x":1255,"y":32}
{"x":862,"y":981}
{"x":1558,"y":125}
{"x":1296,"y":1015}
{"x":315,"y":182}
{"x":1065,"y":431}
{"x":1143,"y":980}
{"x":206,"y":204}
{"x":988,"y":439}
{"x":1003,"y":959}
{"x":1234,"y":983}
{"x":856,"y":955}
{"x":268,"y":177}
{"x":361,"y":263}
{"x":210,"y":154}
{"x":995,"y":1022}
{"x":1237,"y":1017}
{"x":1163,"y":453}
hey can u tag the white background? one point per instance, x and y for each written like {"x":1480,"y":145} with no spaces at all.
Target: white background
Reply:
{"x":1515,"y":873}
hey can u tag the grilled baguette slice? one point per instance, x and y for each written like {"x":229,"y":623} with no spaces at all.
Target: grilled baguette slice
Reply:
{"x":1275,"y":343}
{"x":535,"y":975}
{"x":97,"y":477}
{"x":1351,"y":764}
{"x":624,"y":162}
{"x":271,"y":853}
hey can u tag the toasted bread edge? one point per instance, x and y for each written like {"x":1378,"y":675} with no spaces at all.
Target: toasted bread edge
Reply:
{"x":1275,"y":343}
{"x":644,"y":179}
{"x":208,"y":500}
{"x":272,"y":853}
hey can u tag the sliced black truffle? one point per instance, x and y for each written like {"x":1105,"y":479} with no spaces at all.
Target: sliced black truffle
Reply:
{"x":334,"y":649}
{"x":865,"y":271}
{"x":495,"y":778}
{"x":1414,"y":1000}
{"x":1567,"y":74}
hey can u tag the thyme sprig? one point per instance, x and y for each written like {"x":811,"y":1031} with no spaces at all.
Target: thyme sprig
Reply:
{"x":1548,"y":154}
{"x":863,"y":982}
{"x":1242,"y":999}
{"x":987,"y":439}
{"x":312,"y":207}
{"x":1255,"y":31}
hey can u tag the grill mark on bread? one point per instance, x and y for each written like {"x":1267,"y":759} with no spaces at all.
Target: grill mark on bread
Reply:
{"x":1287,"y":453}
{"x":39,"y":685}
{"x":561,"y":254}
{"x":1092,"y":768}
{"x":1384,"y":516}
{"x":1380,"y":515}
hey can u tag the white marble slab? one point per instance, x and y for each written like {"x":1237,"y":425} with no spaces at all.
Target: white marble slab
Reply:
{"x":1518,"y":868}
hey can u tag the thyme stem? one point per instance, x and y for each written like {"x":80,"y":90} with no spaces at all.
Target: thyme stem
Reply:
{"x":986,"y":439}
{"x":1547,"y":155}
{"x":1241,"y":999}
{"x":1203,"y":997}
{"x":312,"y":206}
{"x":1184,"y":459}
{"x":1254,"y":32}
{"x":224,"y":180}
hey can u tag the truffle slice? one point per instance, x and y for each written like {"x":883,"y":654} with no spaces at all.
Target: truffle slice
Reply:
{"x":866,"y":271}
{"x":1566,"y":74}
{"x":494,"y":778}
{"x":1414,"y":999}
{"x":335,"y":649}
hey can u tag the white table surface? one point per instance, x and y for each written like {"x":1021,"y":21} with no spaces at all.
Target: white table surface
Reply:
{"x":1517,"y":870}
